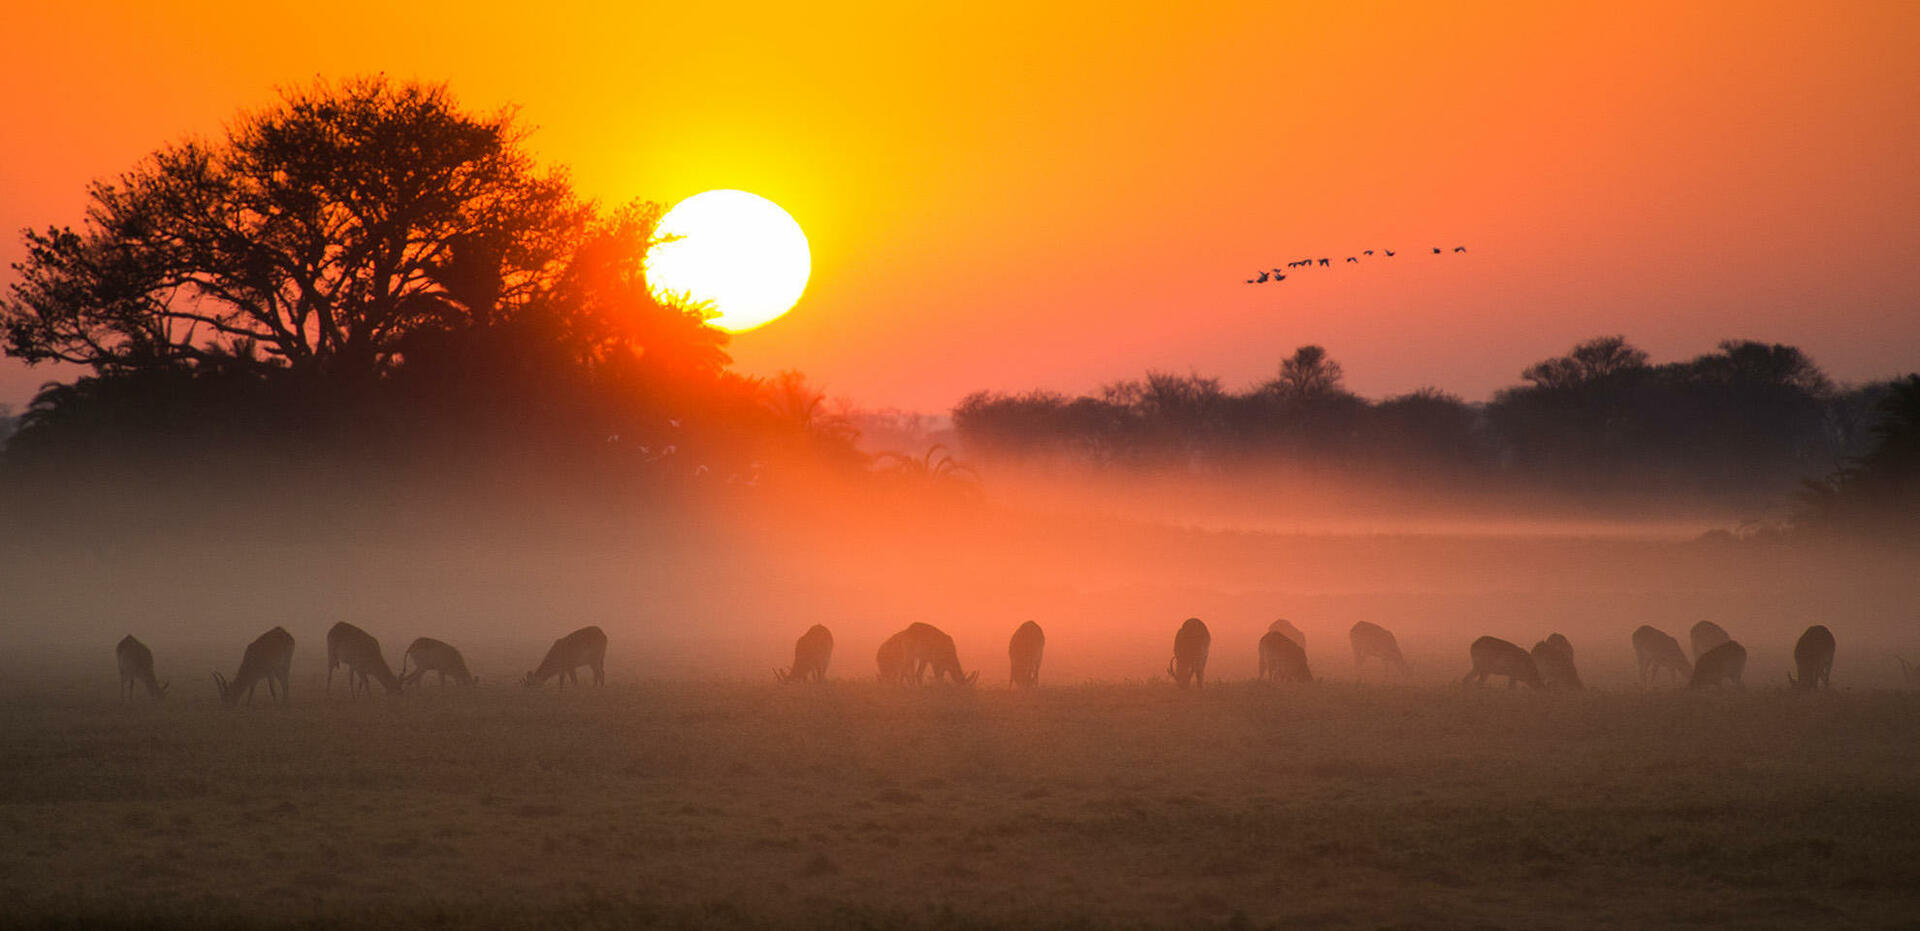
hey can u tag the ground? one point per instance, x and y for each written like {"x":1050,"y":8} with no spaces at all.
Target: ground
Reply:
{"x":1107,"y":804}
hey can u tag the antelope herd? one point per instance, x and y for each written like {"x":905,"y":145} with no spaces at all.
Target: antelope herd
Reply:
{"x":908,"y":656}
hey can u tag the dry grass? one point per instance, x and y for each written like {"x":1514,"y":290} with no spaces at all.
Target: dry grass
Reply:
{"x":851,"y":805}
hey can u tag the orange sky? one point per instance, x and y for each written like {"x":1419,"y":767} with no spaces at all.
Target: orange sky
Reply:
{"x":1025,"y":194}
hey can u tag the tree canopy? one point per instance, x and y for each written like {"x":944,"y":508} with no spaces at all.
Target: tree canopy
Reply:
{"x":330,"y":233}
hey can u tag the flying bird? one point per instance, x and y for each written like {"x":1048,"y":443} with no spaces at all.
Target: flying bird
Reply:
{"x":1352,"y":259}
{"x":1436,"y":250}
{"x":1368,"y":252}
{"x":1260,"y":280}
{"x":1389,"y":253}
{"x":1459,"y":248}
{"x":1323,"y":262}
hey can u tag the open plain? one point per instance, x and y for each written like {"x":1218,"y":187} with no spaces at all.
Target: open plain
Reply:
{"x":749,"y":804}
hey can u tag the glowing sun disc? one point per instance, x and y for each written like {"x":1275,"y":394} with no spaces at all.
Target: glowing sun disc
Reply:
{"x":736,"y":251}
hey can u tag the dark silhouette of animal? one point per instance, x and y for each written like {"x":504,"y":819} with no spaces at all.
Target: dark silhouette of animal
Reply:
{"x":1493,"y":656}
{"x":1723,"y":663}
{"x":1372,"y":640}
{"x":1260,"y":280}
{"x":811,"y":654}
{"x":1324,"y":263}
{"x":1190,"y":647}
{"x":1389,"y":252}
{"x":136,"y":667}
{"x":430,"y":655}
{"x":928,"y":646}
{"x":1352,"y":259}
{"x":1554,"y":658}
{"x":1279,"y":278}
{"x":1282,"y":659}
{"x":584,"y":647}
{"x":1293,"y":633}
{"x":1023,"y":654}
{"x":1366,"y":252}
{"x":1705,"y":636}
{"x":1436,"y":250}
{"x":892,"y":660}
{"x":1654,"y":651}
{"x":269,"y":657}
{"x":1459,"y":248}
{"x":360,"y":653}
{"x":1813,"y":656}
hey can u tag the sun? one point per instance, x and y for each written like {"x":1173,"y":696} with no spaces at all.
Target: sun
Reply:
{"x":736,"y":251}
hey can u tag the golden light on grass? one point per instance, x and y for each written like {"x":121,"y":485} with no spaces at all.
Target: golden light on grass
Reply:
{"x":734,"y":251}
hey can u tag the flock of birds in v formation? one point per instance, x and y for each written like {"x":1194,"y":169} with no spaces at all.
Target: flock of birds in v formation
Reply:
{"x":1276,"y":275}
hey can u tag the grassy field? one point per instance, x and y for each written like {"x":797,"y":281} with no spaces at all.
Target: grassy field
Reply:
{"x":742,"y":804}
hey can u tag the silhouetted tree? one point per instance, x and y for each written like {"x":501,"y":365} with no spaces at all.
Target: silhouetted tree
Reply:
{"x":318,"y":235}
{"x":1308,"y":375}
{"x":365,"y":283}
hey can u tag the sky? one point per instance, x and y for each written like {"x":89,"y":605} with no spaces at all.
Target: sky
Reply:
{"x":1016,"y":195}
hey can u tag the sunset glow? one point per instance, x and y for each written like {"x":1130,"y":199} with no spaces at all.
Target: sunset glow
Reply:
{"x":738,"y":252}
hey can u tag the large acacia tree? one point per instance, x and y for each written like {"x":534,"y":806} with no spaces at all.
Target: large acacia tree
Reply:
{"x":328,"y":234}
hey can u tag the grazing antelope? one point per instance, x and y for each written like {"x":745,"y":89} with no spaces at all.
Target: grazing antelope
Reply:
{"x":430,"y":655}
{"x":1282,"y":659}
{"x":584,"y":647}
{"x":1705,"y":636}
{"x":1284,"y":626}
{"x":1554,"y":658}
{"x":1493,"y":656}
{"x":1813,"y":654}
{"x":810,"y":655}
{"x":1370,"y":639}
{"x":928,"y":646}
{"x":136,"y":667}
{"x":357,"y":650}
{"x":1023,"y":654}
{"x":269,"y":657}
{"x":1190,"y":648}
{"x":1723,"y":663}
{"x":1654,"y":651}
{"x":892,"y":660}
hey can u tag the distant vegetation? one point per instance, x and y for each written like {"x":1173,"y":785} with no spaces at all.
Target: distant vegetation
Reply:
{"x":1747,"y":421}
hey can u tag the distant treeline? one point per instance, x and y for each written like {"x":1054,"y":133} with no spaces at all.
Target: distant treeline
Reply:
{"x":1749,"y":419}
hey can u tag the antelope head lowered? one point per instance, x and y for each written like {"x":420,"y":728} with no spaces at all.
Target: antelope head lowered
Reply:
{"x":584,"y":647}
{"x":811,"y":654}
{"x":269,"y":657}
{"x":136,"y":668}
